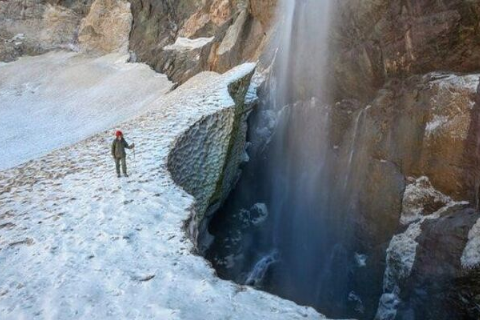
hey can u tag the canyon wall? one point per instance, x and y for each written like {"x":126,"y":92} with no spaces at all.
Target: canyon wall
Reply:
{"x":406,"y":80}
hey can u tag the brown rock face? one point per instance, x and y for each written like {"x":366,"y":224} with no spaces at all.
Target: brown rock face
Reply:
{"x":239,"y":30}
{"x":379,"y":39}
{"x":106,"y":28}
{"x":34,"y":27}
{"x":423,"y":126}
{"x":263,"y":11}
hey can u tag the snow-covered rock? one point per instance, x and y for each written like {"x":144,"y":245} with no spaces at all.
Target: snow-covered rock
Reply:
{"x":471,"y":253}
{"x":451,"y":90}
{"x":420,"y":198}
{"x":77,"y":242}
{"x":185,"y":44}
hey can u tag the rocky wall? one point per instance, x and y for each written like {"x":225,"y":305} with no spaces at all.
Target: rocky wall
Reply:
{"x":239,"y":31}
{"x":35,"y":26}
{"x":423,"y":126}
{"x":376,"y":40}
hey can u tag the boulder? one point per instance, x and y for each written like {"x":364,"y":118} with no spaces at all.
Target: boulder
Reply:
{"x":106,"y":28}
{"x":439,"y":287}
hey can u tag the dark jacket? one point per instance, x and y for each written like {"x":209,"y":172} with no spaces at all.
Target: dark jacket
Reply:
{"x":118,"y":148}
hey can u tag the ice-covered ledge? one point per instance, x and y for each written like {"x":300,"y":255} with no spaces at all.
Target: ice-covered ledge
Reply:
{"x":76,"y":242}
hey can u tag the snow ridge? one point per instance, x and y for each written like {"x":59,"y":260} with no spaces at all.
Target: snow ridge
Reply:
{"x":76,"y":242}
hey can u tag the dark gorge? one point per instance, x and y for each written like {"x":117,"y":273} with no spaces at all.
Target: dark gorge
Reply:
{"x":318,"y":214}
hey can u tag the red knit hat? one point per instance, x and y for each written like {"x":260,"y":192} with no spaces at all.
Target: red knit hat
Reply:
{"x":118,"y":133}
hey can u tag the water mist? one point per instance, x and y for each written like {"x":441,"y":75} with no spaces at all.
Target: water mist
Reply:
{"x":300,"y":251}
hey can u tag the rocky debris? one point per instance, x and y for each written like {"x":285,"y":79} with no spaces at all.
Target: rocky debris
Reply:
{"x":258,"y":213}
{"x":106,"y":28}
{"x":143,"y":278}
{"x":27,"y":241}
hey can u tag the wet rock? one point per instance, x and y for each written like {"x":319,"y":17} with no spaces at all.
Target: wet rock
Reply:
{"x":439,"y":287}
{"x":471,"y":253}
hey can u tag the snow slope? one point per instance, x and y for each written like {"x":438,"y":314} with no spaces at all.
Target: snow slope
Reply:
{"x":76,"y":242}
{"x":57,"y":99}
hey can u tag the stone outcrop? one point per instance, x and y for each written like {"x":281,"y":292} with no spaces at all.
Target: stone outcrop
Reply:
{"x":240,"y":30}
{"x":424,"y":276}
{"x":106,"y":28}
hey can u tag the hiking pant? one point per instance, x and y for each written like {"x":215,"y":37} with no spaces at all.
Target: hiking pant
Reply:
{"x":124,"y":165}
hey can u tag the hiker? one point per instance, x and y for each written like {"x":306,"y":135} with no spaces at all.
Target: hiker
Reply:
{"x":119,"y":154}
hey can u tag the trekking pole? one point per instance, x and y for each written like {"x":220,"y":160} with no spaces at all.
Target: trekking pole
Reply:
{"x":134,"y":158}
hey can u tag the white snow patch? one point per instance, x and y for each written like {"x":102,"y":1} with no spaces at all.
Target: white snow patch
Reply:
{"x":185,"y":44}
{"x":468,"y":82}
{"x":78,"y":243}
{"x":360,"y":260}
{"x":471,"y":253}
{"x":437,"y":122}
{"x":387,"y":306}
{"x":57,"y":99}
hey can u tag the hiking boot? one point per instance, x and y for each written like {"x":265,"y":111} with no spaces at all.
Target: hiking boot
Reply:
{"x":125,"y":175}
{"x":119,"y":176}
